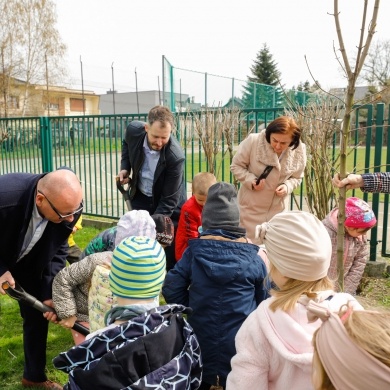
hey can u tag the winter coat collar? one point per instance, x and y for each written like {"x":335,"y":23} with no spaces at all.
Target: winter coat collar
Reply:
{"x":232,"y":234}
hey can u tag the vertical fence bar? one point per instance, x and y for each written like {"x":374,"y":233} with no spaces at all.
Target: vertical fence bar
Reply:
{"x":205,"y":89}
{"x":386,"y":196}
{"x":377,"y":163}
{"x":46,"y":144}
{"x":173,"y":107}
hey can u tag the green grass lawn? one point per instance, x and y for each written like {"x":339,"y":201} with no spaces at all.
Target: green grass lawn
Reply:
{"x":11,"y":336}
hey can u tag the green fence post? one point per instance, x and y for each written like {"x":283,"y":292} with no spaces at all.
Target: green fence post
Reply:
{"x":379,"y":120}
{"x":386,"y":196}
{"x":173,"y":107}
{"x":46,"y":144}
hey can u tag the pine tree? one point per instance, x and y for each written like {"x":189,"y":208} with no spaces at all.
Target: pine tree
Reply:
{"x":262,"y":89}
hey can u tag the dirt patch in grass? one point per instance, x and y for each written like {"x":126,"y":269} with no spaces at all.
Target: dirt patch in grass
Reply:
{"x":374,"y":293}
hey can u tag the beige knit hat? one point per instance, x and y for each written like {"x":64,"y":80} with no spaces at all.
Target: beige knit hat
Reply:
{"x":297,"y":244}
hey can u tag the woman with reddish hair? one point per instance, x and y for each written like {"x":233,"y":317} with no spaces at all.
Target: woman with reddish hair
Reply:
{"x":269,"y":165}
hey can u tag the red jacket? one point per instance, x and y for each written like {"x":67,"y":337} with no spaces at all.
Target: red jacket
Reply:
{"x":190,"y":220}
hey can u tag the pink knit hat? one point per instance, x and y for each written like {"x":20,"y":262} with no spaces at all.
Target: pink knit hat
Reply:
{"x":358,"y":214}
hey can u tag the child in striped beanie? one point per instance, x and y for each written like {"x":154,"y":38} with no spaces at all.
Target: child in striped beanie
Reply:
{"x":136,"y":277}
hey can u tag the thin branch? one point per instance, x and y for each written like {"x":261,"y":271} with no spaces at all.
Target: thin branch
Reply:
{"x":360,"y":47}
{"x":338,"y":60}
{"x":318,"y":85}
{"x":340,"y":38}
{"x":371,"y":32}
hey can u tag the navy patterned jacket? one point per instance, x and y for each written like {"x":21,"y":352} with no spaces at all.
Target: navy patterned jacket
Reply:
{"x":157,"y":350}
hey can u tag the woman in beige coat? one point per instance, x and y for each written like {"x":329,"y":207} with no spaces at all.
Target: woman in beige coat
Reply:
{"x":279,"y":149}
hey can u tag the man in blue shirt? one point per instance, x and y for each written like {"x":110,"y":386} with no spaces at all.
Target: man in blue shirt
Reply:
{"x":153,"y":163}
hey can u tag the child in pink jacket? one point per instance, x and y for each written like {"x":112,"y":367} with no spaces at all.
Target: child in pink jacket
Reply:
{"x":274,"y":344}
{"x":359,"y":219}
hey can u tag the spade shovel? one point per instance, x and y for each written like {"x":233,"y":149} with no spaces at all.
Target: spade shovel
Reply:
{"x":124,"y":192}
{"x":22,"y":296}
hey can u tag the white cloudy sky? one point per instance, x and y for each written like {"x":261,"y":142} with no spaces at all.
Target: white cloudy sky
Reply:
{"x":219,"y":37}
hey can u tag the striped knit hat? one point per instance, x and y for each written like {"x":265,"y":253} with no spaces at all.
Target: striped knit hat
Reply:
{"x":137,"y":268}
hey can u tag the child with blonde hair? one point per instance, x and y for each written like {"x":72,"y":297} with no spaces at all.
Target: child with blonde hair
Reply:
{"x":351,"y":349}
{"x":273,"y":345}
{"x":191,"y":212}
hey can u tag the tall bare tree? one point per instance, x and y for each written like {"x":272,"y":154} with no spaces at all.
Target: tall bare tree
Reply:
{"x":376,"y":69}
{"x":352,"y":73}
{"x":9,"y":57}
{"x":40,"y":42}
{"x":29,"y":40}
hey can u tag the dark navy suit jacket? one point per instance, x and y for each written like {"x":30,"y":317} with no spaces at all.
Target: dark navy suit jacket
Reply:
{"x":48,"y":255}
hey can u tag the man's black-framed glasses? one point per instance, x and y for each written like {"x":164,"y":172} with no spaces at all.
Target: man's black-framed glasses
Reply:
{"x":57,"y":212}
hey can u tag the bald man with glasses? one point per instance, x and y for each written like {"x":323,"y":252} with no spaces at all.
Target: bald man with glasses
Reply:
{"x":37,"y":215}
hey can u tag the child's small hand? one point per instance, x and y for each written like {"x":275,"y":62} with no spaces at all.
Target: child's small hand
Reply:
{"x":49,"y":315}
{"x":68,"y":322}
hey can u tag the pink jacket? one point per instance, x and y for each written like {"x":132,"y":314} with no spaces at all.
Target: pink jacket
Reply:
{"x":274,"y":349}
{"x":355,"y":255}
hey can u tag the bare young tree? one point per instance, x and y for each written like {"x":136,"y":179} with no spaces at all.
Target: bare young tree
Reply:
{"x":352,"y":73}
{"x":319,"y":121}
{"x":216,"y":129}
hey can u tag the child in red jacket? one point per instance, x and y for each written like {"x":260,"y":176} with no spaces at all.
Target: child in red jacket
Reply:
{"x":191,"y":212}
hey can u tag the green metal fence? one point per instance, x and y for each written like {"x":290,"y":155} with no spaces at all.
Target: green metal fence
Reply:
{"x":91,"y":146}
{"x":210,"y":90}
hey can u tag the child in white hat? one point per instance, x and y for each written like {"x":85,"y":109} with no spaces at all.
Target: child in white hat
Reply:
{"x":273,"y":345}
{"x":81,"y":291}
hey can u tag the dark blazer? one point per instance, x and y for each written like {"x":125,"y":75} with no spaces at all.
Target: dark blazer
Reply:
{"x":169,"y":192}
{"x":48,"y":256}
